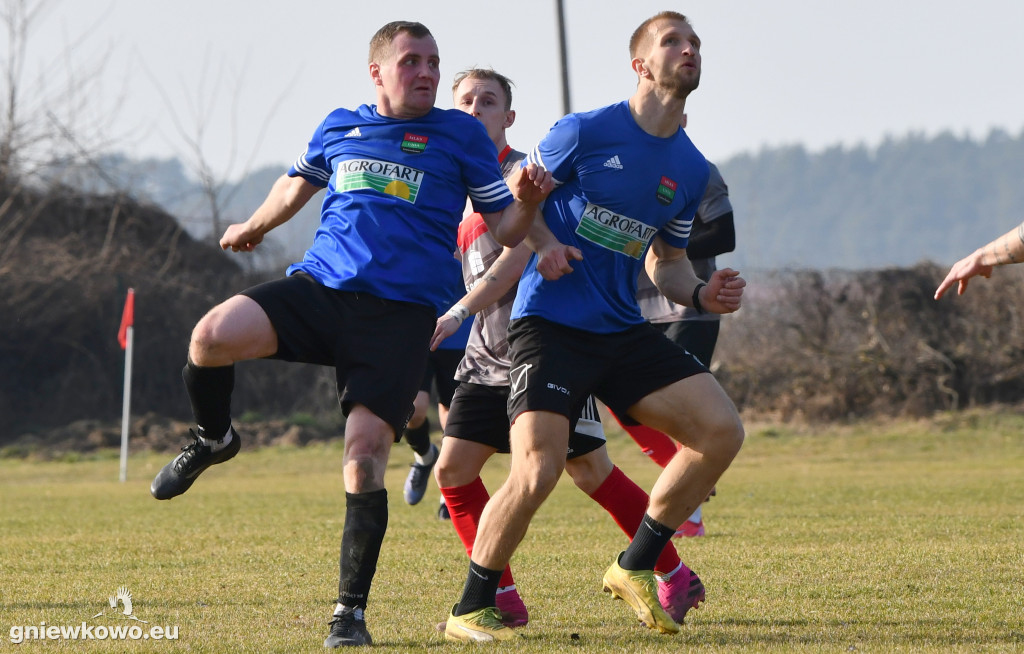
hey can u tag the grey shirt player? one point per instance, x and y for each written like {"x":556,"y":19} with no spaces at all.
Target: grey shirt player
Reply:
{"x":486,"y":361}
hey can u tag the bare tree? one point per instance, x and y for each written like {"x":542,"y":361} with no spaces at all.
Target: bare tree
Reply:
{"x":17,"y":16}
{"x":64,"y":97}
{"x":194,"y":128}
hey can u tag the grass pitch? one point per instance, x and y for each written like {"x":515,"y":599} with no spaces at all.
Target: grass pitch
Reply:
{"x":903,"y":536}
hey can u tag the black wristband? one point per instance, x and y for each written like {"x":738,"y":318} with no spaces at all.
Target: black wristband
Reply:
{"x":696,"y":297}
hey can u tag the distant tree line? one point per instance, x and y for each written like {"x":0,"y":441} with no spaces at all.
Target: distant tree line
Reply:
{"x":907,"y":201}
{"x":838,"y":322}
{"x":838,"y":345}
{"x":808,"y":344}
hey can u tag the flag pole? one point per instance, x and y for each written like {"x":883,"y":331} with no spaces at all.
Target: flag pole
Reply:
{"x":126,"y":408}
{"x":126,"y":337}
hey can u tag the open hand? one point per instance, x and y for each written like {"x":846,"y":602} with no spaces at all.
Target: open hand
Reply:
{"x":446,"y":326}
{"x":961,"y":272}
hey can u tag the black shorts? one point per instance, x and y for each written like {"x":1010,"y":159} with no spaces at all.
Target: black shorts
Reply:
{"x":480,"y":414}
{"x":555,"y":368}
{"x":441,"y":366}
{"x":698,"y":337}
{"x":378,"y":347}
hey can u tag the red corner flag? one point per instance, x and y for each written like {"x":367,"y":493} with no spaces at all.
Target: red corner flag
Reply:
{"x":127,"y":319}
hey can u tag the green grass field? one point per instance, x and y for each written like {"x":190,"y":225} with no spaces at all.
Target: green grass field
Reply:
{"x":906,"y":537}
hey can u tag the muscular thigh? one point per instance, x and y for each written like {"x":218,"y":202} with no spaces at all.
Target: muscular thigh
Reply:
{"x":378,"y":347}
{"x":553,"y":367}
{"x":646,"y":361}
{"x":306,"y":316}
{"x":687,"y":409}
{"x":478,"y":414}
{"x":234,"y":330}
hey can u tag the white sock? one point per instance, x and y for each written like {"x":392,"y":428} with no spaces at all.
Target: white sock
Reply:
{"x":666,"y":577}
{"x":429,"y":458}
{"x":358,"y":613}
{"x":505,"y":589}
{"x":696,"y":517}
{"x":216,"y":445}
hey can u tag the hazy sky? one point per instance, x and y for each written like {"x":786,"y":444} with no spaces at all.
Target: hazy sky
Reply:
{"x":259,"y":76}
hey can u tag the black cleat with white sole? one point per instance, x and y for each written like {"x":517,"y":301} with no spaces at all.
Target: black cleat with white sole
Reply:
{"x":348,"y":629}
{"x":178,"y":476}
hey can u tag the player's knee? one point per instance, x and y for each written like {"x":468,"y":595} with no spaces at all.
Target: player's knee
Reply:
{"x":587,"y":474}
{"x":724,"y":437}
{"x":211,"y":342}
{"x":204,"y":339}
{"x":368,"y":439}
{"x":585,"y":480}
{"x":536,"y":481}
{"x":365,"y":464}
{"x":449,"y":472}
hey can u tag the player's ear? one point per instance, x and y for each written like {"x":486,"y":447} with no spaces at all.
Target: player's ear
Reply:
{"x":510,"y":117}
{"x":639,"y":67}
{"x":375,"y":74}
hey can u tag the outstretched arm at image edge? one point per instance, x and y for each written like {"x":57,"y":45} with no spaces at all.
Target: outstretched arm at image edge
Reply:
{"x":1008,"y":248}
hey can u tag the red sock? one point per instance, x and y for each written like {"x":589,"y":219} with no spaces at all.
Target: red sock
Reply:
{"x":658,"y":446}
{"x":466,"y":505}
{"x":626,"y":502}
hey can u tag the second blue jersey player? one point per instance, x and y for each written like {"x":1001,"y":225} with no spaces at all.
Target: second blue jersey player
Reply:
{"x":628,"y":182}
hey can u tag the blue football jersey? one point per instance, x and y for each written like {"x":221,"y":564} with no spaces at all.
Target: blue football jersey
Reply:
{"x":616,"y":188}
{"x":396,"y":192}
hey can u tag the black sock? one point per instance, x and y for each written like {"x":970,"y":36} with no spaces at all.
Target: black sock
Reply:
{"x":366,"y":520}
{"x":651,"y":537}
{"x":480,"y":590}
{"x":209,"y":391}
{"x":418,"y":438}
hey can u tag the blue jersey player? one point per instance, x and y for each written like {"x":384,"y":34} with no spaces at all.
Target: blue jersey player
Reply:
{"x":365,"y":296}
{"x":628,"y":182}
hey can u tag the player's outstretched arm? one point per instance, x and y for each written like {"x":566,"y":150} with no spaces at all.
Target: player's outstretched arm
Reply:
{"x":499,"y":279}
{"x":1008,"y":248}
{"x":962,"y":271}
{"x":286,"y":197}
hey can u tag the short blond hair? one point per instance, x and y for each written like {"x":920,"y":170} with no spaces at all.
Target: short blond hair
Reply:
{"x":380,"y":44}
{"x":642,"y":35}
{"x":487,"y":73}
